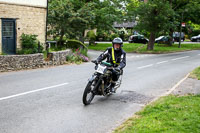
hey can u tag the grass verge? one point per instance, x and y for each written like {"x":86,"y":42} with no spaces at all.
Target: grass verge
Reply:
{"x":195,"y":74}
{"x":141,"y":48}
{"x":168,"y":114}
{"x":128,"y":47}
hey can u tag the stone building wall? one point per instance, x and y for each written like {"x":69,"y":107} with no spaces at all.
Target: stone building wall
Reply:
{"x":29,"y":20}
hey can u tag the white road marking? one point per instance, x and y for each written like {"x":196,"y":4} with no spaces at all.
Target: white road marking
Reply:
{"x":29,"y":92}
{"x":180,"y":58}
{"x":161,"y":62}
{"x":171,"y":90}
{"x":175,"y":86}
{"x":145,"y":66}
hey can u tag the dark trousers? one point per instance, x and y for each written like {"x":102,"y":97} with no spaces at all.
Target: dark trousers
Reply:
{"x":115,"y":75}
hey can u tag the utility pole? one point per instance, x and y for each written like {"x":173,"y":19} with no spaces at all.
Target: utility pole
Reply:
{"x":179,"y":45}
{"x":46,"y":20}
{"x":46,"y":44}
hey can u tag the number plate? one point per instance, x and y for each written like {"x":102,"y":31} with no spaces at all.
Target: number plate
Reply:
{"x":101,"y":69}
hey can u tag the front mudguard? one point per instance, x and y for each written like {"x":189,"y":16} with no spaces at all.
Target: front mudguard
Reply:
{"x":92,"y":78}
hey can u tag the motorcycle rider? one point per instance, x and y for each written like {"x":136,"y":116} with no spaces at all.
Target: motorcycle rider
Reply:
{"x":117,"y":57}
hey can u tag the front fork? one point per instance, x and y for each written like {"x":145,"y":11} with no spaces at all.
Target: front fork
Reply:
{"x":98,"y":79}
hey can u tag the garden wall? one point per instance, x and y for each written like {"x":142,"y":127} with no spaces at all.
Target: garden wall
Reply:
{"x":32,"y":61}
{"x":58,"y":58}
{"x":19,"y":62}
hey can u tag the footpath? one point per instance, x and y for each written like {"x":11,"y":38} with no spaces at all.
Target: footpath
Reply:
{"x":188,"y":86}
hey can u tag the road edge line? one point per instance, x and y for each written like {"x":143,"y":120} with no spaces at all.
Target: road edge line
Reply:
{"x":171,"y":90}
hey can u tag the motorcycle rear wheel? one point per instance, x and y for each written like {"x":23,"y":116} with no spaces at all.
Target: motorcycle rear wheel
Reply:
{"x":88,"y":95}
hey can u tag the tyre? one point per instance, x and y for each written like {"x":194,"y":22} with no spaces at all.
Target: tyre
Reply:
{"x":88,"y":95}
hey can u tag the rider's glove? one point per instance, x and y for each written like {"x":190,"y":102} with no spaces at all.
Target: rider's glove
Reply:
{"x":117,"y":69}
{"x":95,"y":61}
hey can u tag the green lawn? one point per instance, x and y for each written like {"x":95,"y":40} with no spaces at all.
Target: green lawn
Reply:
{"x":141,"y":48}
{"x":171,"y":114}
{"x":161,"y":48}
{"x":127,"y":47}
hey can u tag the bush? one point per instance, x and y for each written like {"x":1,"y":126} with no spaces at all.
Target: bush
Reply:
{"x":75,"y":44}
{"x":29,"y":44}
{"x":91,"y":36}
{"x":28,"y":41}
{"x":62,"y":42}
{"x":100,"y":35}
{"x":78,"y":56}
{"x":113,"y":36}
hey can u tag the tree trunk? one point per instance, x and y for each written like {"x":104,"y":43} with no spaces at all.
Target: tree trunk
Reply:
{"x":171,"y":31}
{"x":171,"y":37}
{"x":61,"y":37}
{"x":150,"y":45}
{"x":81,"y":38}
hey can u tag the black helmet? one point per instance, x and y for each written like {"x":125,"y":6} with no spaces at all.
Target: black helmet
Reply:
{"x":117,"y":41}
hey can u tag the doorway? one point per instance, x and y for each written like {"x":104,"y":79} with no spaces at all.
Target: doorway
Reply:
{"x":9,"y":36}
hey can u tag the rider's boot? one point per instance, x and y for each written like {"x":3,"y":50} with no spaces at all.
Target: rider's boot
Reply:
{"x":112,"y":87}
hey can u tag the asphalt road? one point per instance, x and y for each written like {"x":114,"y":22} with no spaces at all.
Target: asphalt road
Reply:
{"x":49,"y":100}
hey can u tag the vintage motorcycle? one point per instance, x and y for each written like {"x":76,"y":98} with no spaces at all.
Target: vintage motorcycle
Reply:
{"x":100,"y":82}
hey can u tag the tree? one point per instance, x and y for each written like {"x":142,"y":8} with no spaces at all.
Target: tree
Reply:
{"x":154,"y":17}
{"x":69,"y":17}
{"x":73,"y":17}
{"x":60,"y":17}
{"x":107,"y":12}
{"x":186,"y":11}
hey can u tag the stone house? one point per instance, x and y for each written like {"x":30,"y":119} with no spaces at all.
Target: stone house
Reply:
{"x":21,"y":16}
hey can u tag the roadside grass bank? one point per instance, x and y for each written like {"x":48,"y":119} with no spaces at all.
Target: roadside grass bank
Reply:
{"x":128,"y":47}
{"x":168,"y":114}
{"x":141,"y":48}
{"x":162,"y":48}
{"x":195,"y":73}
{"x":171,"y":113}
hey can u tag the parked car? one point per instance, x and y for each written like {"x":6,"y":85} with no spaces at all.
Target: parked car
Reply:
{"x":138,"y":39}
{"x":163,"y":39}
{"x":176,"y":36}
{"x":195,"y":38}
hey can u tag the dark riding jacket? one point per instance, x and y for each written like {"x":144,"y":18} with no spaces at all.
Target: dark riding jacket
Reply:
{"x":116,"y":57}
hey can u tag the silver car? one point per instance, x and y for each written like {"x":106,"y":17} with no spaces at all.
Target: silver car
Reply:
{"x":195,"y":38}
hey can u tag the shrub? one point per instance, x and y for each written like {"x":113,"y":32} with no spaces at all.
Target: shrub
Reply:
{"x":77,"y":57}
{"x":75,"y":44}
{"x":62,"y":42}
{"x":113,"y":36}
{"x":100,"y":35}
{"x":29,"y":44}
{"x":29,"y":41}
{"x":91,"y":36}
{"x":3,"y":54}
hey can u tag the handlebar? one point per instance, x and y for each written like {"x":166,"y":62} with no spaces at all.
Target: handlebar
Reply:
{"x":103,"y":62}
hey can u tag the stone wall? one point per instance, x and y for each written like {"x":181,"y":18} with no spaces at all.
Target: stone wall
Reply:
{"x":19,"y":62}
{"x":29,"y":20}
{"x":32,"y":61}
{"x":0,"y":37}
{"x":58,"y":58}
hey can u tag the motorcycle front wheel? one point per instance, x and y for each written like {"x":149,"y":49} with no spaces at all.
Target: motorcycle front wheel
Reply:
{"x":88,"y":95}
